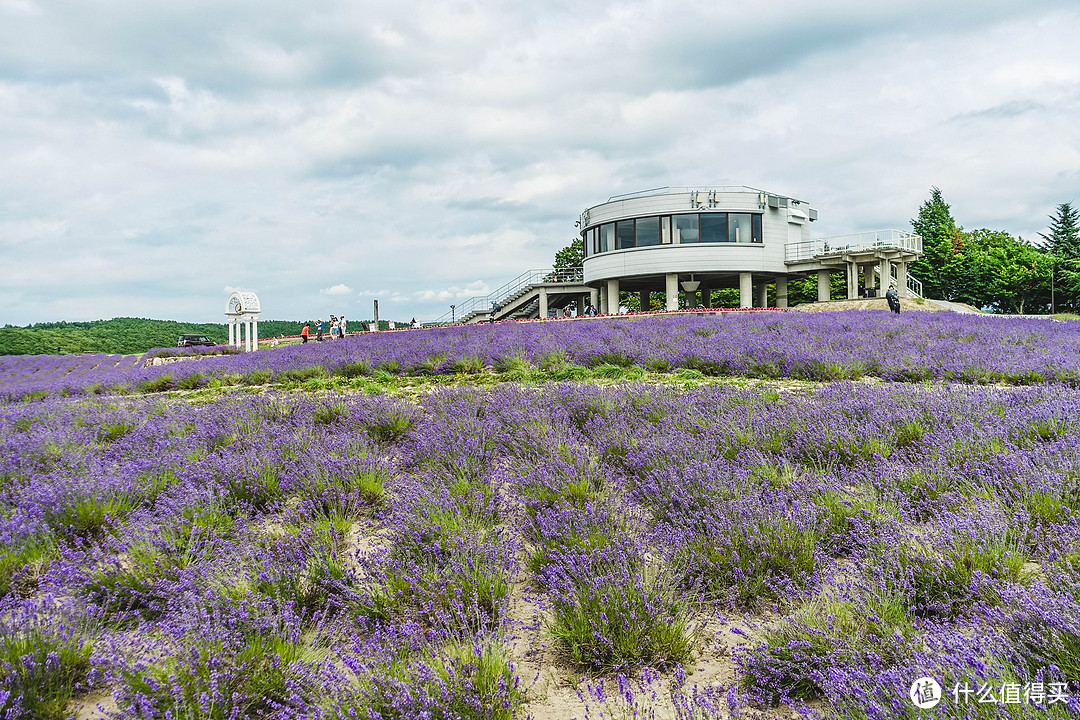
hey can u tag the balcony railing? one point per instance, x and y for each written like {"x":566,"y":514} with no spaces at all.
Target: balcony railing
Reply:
{"x":854,"y":243}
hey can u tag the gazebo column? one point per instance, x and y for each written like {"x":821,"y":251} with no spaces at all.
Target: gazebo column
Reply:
{"x":613,"y":296}
{"x":230,"y":331}
{"x":781,"y":292}
{"x":746,"y":290}
{"x":255,"y":331}
{"x":824,"y":289}
{"x":671,"y":289}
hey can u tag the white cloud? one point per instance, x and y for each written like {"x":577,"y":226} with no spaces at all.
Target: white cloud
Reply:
{"x":432,"y":151}
{"x":339,"y":289}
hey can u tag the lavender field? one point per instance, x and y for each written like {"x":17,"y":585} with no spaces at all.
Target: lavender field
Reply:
{"x":808,"y":346}
{"x":337,"y":543}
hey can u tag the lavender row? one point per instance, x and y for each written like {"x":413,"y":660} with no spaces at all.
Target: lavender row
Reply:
{"x":341,"y":556}
{"x":813,"y":346}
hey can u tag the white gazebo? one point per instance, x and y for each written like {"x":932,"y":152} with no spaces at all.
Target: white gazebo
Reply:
{"x":242,"y":311}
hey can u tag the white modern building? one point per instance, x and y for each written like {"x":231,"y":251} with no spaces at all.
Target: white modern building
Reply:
{"x":706,"y":238}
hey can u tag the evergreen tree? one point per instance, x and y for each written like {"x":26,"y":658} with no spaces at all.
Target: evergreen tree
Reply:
{"x":1063,"y":243}
{"x":942,"y":274}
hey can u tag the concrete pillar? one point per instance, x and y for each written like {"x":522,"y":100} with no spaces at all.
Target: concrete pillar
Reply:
{"x":543,"y":302}
{"x":643,"y":301}
{"x":824,"y":293}
{"x":852,"y":280}
{"x":781,"y":292}
{"x":706,"y":296}
{"x":613,"y":296}
{"x":671,"y":287}
{"x":594,"y":298}
{"x":901,"y":279}
{"x":868,"y":276}
{"x":746,"y":290}
{"x":885,"y":275}
{"x":762,"y":299}
{"x":601,"y":306}
{"x":580,"y":305}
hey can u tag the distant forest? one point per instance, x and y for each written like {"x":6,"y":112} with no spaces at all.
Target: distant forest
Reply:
{"x":122,"y":336}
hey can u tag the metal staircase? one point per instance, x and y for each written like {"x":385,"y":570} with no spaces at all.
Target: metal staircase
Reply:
{"x":516,"y":298}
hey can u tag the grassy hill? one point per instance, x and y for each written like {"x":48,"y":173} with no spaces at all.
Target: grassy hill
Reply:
{"x":126,"y":336}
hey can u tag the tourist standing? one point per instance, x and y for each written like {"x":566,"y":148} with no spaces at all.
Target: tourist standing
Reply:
{"x":304,"y":334}
{"x":319,"y":331}
{"x":894,"y":299}
{"x":341,"y":325}
{"x":333,"y":327}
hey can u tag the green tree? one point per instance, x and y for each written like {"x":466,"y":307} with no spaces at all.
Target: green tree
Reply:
{"x":570,"y":258}
{"x":1063,"y":242}
{"x":942,"y":275}
{"x":1014,"y":275}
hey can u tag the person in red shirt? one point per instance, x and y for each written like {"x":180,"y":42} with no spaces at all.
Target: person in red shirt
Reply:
{"x":304,"y":334}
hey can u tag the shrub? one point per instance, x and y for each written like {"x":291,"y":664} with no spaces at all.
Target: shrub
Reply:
{"x":256,"y":377}
{"x":352,"y":370}
{"x":251,"y":677}
{"x":159,"y":384}
{"x":42,"y":666}
{"x":329,"y":414}
{"x":301,"y":374}
{"x":469,"y":365}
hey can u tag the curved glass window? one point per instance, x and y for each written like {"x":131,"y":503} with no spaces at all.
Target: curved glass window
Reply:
{"x":607,"y":237}
{"x":739,"y":229}
{"x":714,"y":227}
{"x":648,"y":231}
{"x":686,"y":229}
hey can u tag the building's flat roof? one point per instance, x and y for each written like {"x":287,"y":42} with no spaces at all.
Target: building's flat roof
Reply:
{"x":675,"y":189}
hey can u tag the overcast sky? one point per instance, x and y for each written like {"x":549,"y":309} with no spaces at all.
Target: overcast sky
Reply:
{"x":324,"y":154}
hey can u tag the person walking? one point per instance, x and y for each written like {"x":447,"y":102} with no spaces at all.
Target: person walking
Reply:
{"x":894,"y":299}
{"x":304,"y":334}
